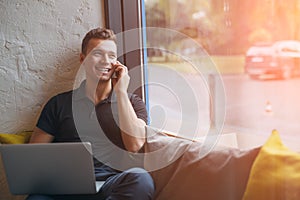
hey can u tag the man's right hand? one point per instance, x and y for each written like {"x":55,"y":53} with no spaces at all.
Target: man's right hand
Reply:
{"x":121,"y":82}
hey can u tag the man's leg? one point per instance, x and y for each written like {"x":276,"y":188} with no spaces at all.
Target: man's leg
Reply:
{"x":135,"y":183}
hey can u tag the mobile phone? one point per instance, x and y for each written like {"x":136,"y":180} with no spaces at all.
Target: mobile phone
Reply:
{"x":114,"y":75}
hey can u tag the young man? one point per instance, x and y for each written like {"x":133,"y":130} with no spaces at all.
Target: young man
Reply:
{"x":100,"y":111}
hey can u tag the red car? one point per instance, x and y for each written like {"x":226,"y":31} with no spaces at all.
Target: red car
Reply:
{"x":277,"y":60}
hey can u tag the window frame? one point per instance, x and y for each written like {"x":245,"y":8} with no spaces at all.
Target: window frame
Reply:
{"x":122,"y":16}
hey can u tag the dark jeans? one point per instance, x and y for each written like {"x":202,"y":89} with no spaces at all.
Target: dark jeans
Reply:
{"x":133,"y":184}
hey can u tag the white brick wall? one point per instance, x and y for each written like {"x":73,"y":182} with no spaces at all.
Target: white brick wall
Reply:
{"x":39,"y":54}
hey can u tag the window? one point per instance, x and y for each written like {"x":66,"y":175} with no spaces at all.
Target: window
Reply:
{"x":198,"y":69}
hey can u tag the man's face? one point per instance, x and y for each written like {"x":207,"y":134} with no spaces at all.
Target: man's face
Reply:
{"x":98,"y":60}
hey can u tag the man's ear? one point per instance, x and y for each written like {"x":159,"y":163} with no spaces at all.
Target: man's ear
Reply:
{"x":82,"y":57}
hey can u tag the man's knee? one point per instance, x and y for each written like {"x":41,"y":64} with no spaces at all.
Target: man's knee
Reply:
{"x":142,"y":178}
{"x":135,"y":183}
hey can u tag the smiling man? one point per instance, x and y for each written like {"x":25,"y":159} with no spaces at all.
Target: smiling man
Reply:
{"x":100,"y":111}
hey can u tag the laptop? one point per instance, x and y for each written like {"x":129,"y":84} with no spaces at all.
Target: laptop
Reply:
{"x":50,"y":168}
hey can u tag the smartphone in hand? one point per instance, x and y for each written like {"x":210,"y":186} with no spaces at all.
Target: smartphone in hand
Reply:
{"x":114,"y":75}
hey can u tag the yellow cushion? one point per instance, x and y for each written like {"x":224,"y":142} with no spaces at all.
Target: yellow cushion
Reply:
{"x":275,"y":173}
{"x":18,"y":138}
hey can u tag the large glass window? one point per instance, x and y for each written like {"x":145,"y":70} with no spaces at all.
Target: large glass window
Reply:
{"x":208,"y":58}
{"x":222,"y":65}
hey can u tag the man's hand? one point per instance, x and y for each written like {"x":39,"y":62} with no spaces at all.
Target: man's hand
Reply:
{"x":121,"y":80}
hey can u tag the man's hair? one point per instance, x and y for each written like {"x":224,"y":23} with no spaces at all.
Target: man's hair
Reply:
{"x":97,"y":33}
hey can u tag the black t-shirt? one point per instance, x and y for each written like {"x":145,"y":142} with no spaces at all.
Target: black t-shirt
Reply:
{"x":72,"y":117}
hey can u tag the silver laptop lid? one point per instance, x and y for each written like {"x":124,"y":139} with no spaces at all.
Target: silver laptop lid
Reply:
{"x":49,"y":168}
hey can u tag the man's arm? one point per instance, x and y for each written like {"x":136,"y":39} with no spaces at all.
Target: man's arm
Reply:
{"x":40,"y":136}
{"x":132,"y":128}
